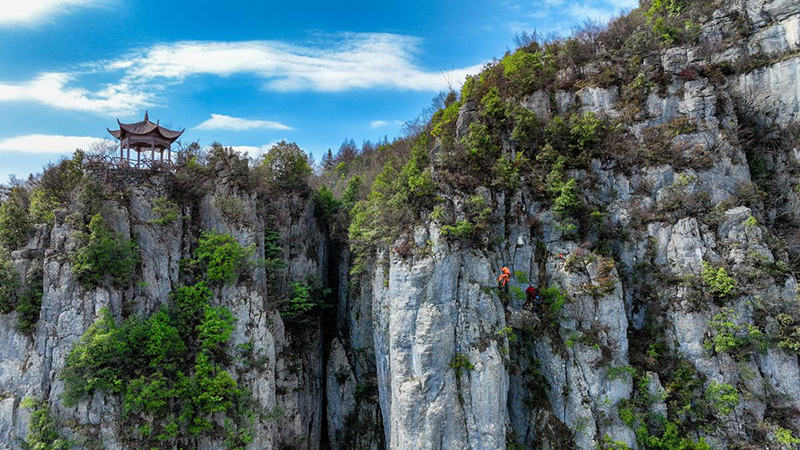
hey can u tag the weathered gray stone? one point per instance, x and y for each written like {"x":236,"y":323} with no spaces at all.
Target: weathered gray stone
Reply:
{"x":598,"y":100}
{"x":539,"y":103}
{"x":774,"y":89}
{"x":467,"y":114}
{"x":564,"y":102}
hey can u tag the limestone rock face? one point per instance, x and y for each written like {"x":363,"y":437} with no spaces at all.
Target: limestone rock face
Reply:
{"x":340,"y":389}
{"x":598,"y":100}
{"x":775,"y":88}
{"x":30,"y":364}
{"x":434,"y":325}
{"x":441,"y":325}
{"x":420,"y":348}
{"x":539,"y":103}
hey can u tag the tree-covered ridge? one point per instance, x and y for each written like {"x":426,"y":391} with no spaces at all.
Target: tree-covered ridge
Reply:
{"x":507,"y":145}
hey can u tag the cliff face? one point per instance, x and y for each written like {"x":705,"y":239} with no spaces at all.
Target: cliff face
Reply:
{"x":288,"y":379}
{"x":461,"y":364}
{"x":421,"y":348}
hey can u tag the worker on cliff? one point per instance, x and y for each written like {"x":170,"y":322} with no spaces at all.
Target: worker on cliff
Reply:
{"x":504,"y":276}
{"x":532,"y":299}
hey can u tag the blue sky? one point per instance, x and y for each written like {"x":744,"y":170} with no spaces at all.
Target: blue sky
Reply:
{"x":246,"y":74}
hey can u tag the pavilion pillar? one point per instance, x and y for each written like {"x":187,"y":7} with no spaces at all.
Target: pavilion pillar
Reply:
{"x":169,"y":156}
{"x":129,"y":155}
{"x":138,"y":157}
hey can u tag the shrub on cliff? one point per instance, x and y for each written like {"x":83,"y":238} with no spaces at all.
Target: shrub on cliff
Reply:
{"x":396,"y":199}
{"x":89,"y":197}
{"x":98,"y":361}
{"x":29,"y":303}
{"x":104,"y":255}
{"x":474,"y":225}
{"x":55,"y":186}
{"x":305,"y":300}
{"x":788,"y":332}
{"x":25,"y":298}
{"x":165,"y":211}
{"x":167,"y":370}
{"x":220,"y":258}
{"x":42,"y":206}
{"x":9,"y":283}
{"x":325,"y":204}
{"x":527,"y":71}
{"x":444,"y":122}
{"x":566,"y":201}
{"x":15,"y":227}
{"x":718,"y":282}
{"x":670,"y":23}
{"x":168,"y":367}
{"x":43,"y":431}
{"x":236,"y":165}
{"x":190,"y":302}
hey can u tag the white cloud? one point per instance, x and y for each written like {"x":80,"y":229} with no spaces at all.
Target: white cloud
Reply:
{"x":16,"y":11}
{"x":250,"y":150}
{"x":51,"y":89}
{"x":223,"y":122}
{"x":335,"y":63}
{"x":47,"y":143}
{"x":383,"y":123}
{"x":558,"y":16}
{"x":601,"y":11}
{"x":255,"y":152}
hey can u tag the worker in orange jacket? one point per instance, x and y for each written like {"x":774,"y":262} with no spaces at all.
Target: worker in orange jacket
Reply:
{"x":504,"y":276}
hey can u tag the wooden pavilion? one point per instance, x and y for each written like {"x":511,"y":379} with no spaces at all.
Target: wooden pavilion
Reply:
{"x":143,"y":136}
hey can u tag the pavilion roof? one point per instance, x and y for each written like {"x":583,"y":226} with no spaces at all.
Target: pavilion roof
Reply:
{"x":145,"y":127}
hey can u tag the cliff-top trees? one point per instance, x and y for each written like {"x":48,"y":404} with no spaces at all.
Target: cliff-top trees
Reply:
{"x":285,"y":165}
{"x":54,"y":188}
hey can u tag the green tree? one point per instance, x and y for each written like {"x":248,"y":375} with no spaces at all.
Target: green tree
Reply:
{"x":42,"y":206}
{"x":220,"y":259}
{"x":215,"y":329}
{"x":15,"y":226}
{"x":43,"y":431}
{"x":9,"y":283}
{"x":285,"y":165}
{"x":104,"y":254}
{"x":96,"y":361}
{"x":325,"y":204}
{"x":718,"y":282}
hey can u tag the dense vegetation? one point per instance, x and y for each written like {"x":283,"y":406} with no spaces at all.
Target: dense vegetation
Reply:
{"x":220,"y":259}
{"x":43,"y":429}
{"x":507,"y":146}
{"x":103,"y":255}
{"x":168,"y":368}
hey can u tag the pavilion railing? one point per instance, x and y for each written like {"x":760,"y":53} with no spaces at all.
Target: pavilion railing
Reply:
{"x":115,"y":162}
